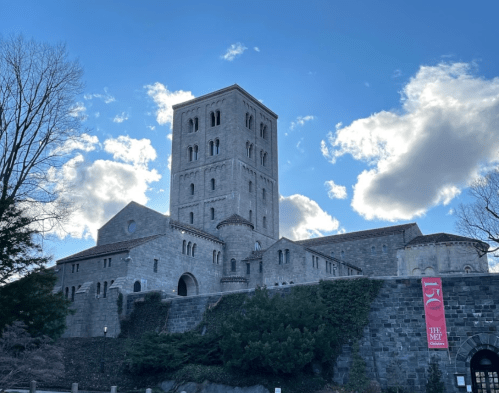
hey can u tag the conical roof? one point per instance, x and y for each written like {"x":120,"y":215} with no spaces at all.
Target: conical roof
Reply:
{"x":235,"y":219}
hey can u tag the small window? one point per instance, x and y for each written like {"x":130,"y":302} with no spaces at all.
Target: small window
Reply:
{"x":212,"y":184}
{"x":250,"y":122}
{"x":286,"y":260}
{"x":98,"y":288}
{"x":105,"y":262}
{"x":263,"y":130}
{"x":218,"y":258}
{"x":264,"y":194}
{"x":217,"y":146}
{"x":212,"y":213}
{"x":136,"y":286}
{"x":189,"y":248}
{"x":258,"y":246}
{"x":155,"y":267}
{"x":191,"y":188}
{"x":467,"y":269}
{"x":247,"y":120}
{"x":109,"y":262}
{"x":250,"y":186}
{"x":67,"y":292}
{"x":385,"y":249}
{"x":191,"y":217}
{"x":211,"y":148}
{"x":373,"y":250}
{"x":195,"y":153}
{"x":248,"y":268}
{"x":232,"y":265}
{"x":263,"y":158}
{"x":73,"y":268}
{"x":189,"y":153}
{"x":191,"y":126}
{"x":77,"y":267}
{"x":214,"y":256}
{"x":250,"y":216}
{"x":196,"y":124}
{"x":342,"y":254}
{"x":212,"y":116}
{"x":261,"y":267}
{"x":279,"y":253}
{"x":218,"y":116}
{"x":264,"y":222}
{"x":73,"y":291}
{"x":184,"y":244}
{"x":249,"y":148}
{"x":105,"y":289}
{"x":194,"y":247}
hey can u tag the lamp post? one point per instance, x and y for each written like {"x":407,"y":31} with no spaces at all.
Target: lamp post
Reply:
{"x":103,"y":351}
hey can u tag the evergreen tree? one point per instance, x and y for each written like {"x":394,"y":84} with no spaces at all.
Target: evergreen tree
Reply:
{"x":434,"y":383}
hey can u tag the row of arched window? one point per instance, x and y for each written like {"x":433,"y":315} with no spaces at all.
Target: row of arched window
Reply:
{"x":264,"y":220}
{"x":192,"y":187}
{"x":249,"y":124}
{"x":104,"y":288}
{"x":188,"y":248}
{"x":315,"y":261}
{"x":213,"y":150}
{"x":193,"y":123}
{"x":283,"y":256}
{"x":73,"y":291}
{"x":216,"y":257}
{"x":264,"y":191}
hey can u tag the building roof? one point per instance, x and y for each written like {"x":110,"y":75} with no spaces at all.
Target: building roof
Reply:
{"x":235,"y":86}
{"x":106,"y":249}
{"x":194,"y":231}
{"x":344,"y":237}
{"x":235,"y":219}
{"x":255,"y":255}
{"x":442,"y":238}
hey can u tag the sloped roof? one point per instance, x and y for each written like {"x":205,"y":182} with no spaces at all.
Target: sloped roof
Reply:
{"x":106,"y":249}
{"x":356,"y":235}
{"x":194,"y":231}
{"x":237,"y":220}
{"x":255,"y":255}
{"x":442,"y":238}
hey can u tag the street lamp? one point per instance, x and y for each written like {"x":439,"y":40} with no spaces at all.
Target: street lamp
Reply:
{"x":103,"y":351}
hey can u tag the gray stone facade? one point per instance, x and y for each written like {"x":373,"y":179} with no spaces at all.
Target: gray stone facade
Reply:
{"x":223,"y":232}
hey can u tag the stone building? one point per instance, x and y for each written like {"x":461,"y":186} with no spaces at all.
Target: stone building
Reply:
{"x":223,"y":230}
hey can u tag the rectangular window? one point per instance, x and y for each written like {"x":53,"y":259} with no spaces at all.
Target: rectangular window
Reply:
{"x":105,"y":262}
{"x":248,"y":267}
{"x":109,"y":263}
{"x":155,"y":266}
{"x":73,"y":269}
{"x":77,"y":267}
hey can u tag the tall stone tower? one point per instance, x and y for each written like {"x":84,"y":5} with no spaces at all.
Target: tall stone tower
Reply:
{"x":224,"y":162}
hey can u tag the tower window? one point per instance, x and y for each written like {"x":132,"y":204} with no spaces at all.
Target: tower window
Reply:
{"x":212,"y":150}
{"x":212,"y":116}
{"x":194,"y":247}
{"x":214,"y":256}
{"x":248,"y":268}
{"x":250,"y":122}
{"x":373,"y":250}
{"x":191,"y":125}
{"x":250,"y":186}
{"x":258,"y":246}
{"x":67,"y":292}
{"x":342,"y":254}
{"x":191,"y":217}
{"x":196,"y":124}
{"x":155,"y":266}
{"x":385,"y":249}
{"x":189,"y":248}
{"x":250,"y":215}
{"x":263,"y":130}
{"x":189,"y":153}
{"x":136,"y":286}
{"x":264,"y":222}
{"x":212,"y":184}
{"x":184,"y":243}
{"x":73,"y":291}
{"x":98,"y":288}
{"x":217,"y":146}
{"x":212,"y":213}
{"x":195,"y":153}
{"x":263,"y":158}
{"x":279,"y":253}
{"x":249,"y":149}
{"x":192,"y":193}
{"x":105,"y":262}
{"x":286,"y":260}
{"x":218,"y":258}
{"x":218,"y":117}
{"x":261,"y":267}
{"x":264,"y":194}
{"x":232,"y":265}
{"x":105,"y":289}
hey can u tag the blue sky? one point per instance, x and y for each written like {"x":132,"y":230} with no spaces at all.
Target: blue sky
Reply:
{"x":387,"y":110}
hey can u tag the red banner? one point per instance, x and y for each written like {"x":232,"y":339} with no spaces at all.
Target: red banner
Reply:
{"x":436,"y":330}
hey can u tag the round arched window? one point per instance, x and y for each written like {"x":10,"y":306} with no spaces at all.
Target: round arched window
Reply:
{"x":132,"y":226}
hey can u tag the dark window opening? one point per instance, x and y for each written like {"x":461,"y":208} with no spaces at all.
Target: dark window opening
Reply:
{"x":212,"y":184}
{"x":67,"y":292}
{"x":194,"y":247}
{"x":109,"y":262}
{"x":248,"y":268}
{"x":196,"y":124}
{"x":261,"y":267}
{"x":280,"y":257}
{"x":105,"y":289}
{"x":218,"y":258}
{"x":218,"y":118}
{"x":212,"y":213}
{"x":287,"y":256}
{"x":191,"y":126}
{"x":136,"y":286}
{"x":195,"y":153}
{"x":183,"y":246}
{"x":77,"y":267}
{"x":250,"y":215}
{"x":232,"y":265}
{"x":182,"y":287}
{"x":191,"y":217}
{"x":189,"y":247}
{"x":189,"y":153}
{"x":192,"y":190}
{"x":217,"y":146}
{"x":264,"y":194}
{"x":212,"y":115}
{"x":264,"y":222}
{"x":214,"y":256}
{"x":73,"y":291}
{"x":155,"y":267}
{"x":98,"y":288}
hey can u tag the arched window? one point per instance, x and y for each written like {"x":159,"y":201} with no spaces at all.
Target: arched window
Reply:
{"x":212,"y":184}
{"x":232,"y":265}
{"x":192,"y":188}
{"x":261,"y":267}
{"x":286,"y":260}
{"x":264,"y":194}
{"x":467,"y":269}
{"x":258,"y":246}
{"x":214,"y":256}
{"x":264,"y":222}
{"x":184,"y":243}
{"x":250,"y":186}
{"x":263,"y":128}
{"x":136,"y":286}
{"x":194,"y":247}
{"x":218,"y":117}
{"x":191,"y":126}
{"x":73,"y":291}
{"x":264,"y":162}
{"x":217,"y":146}
{"x":247,"y":120}
{"x":211,"y":148}
{"x":212,"y":116}
{"x":196,"y":124}
{"x":248,"y":268}
{"x":373,"y":250}
{"x":218,"y":258}
{"x":248,"y":149}
{"x":191,"y":217}
{"x":279,"y":253}
{"x":250,"y":216}
{"x":385,"y":249}
{"x":189,"y":248}
{"x":98,"y":288}
{"x":195,"y":153}
{"x":67,"y":292}
{"x":250,"y":122}
{"x":189,"y":153}
{"x":105,"y":289}
{"x":212,"y":213}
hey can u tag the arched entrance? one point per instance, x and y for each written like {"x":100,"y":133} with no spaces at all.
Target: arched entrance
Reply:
{"x":485,"y":371}
{"x":187,"y":285}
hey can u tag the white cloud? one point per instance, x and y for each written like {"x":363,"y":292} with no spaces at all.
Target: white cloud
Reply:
{"x":335,"y":190}
{"x":78,"y":110}
{"x":103,"y":187}
{"x":302,"y":218}
{"x":450,"y":212}
{"x":126,"y":149}
{"x":257,"y":49}
{"x":165,"y":99}
{"x":120,"y":118}
{"x":152,"y":128}
{"x":107,"y":98}
{"x":85,"y":143}
{"x":424,"y":154}
{"x":234,"y":50}
{"x":300,"y":121}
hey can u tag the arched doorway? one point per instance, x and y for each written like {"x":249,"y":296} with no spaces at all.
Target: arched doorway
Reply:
{"x":485,"y":371}
{"x":187,"y":285}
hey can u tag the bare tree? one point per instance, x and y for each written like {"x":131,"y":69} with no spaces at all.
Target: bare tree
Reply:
{"x":24,"y":358}
{"x":38,"y":120}
{"x":480,"y":219}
